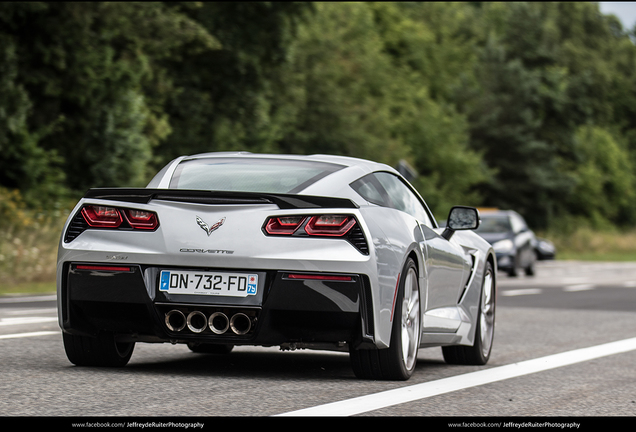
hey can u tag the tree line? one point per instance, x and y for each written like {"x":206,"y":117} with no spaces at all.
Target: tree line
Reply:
{"x":522,"y":105}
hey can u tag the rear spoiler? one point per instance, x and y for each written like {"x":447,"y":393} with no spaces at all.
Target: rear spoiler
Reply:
{"x":283,"y":201}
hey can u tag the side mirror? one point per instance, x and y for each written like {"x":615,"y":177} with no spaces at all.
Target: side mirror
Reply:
{"x":461,"y":218}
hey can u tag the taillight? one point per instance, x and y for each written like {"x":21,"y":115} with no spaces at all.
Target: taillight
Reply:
{"x":345,"y":227}
{"x":142,"y":219}
{"x":330,"y":225}
{"x":285,"y":225}
{"x":320,"y":225}
{"x":102,"y":217}
{"x":112,"y":217}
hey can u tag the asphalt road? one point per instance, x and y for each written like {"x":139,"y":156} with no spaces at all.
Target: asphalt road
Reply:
{"x":565,"y":346}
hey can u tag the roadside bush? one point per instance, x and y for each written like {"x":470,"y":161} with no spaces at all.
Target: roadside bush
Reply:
{"x":28,"y":241}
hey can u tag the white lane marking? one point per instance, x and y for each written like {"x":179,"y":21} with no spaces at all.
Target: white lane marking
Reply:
{"x":23,"y":335}
{"x":630,"y":284}
{"x":571,"y":281}
{"x":29,"y":311}
{"x":518,"y":292}
{"x":25,"y":320}
{"x":579,"y":287}
{"x":412,"y":393}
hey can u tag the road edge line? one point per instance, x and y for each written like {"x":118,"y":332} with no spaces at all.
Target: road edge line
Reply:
{"x":32,"y":334}
{"x":401,"y":395}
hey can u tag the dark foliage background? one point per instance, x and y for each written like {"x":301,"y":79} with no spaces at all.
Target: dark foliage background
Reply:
{"x":529,"y":106}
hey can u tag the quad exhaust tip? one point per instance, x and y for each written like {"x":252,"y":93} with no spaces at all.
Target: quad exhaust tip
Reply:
{"x":175,"y":320}
{"x":218,"y":322}
{"x":197,"y":322}
{"x":240,"y":323}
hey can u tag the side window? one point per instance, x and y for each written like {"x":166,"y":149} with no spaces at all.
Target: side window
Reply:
{"x":387,"y":190}
{"x":371,"y":190}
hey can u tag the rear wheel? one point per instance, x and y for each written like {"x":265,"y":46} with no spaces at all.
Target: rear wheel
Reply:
{"x":479,"y":352}
{"x":398,"y":361}
{"x":102,"y":350}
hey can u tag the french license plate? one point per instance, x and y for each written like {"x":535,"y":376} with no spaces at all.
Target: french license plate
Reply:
{"x":208,"y":283}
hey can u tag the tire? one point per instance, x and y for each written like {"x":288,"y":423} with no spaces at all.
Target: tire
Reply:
{"x":530,"y":269}
{"x":516,"y":268}
{"x":102,"y":350}
{"x":514,"y":271}
{"x":206,"y":348}
{"x":398,"y":361}
{"x":479,"y":352}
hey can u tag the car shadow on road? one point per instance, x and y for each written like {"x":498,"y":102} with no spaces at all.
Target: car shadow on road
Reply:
{"x":249,"y":364}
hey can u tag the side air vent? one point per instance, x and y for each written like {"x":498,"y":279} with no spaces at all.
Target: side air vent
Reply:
{"x":471,"y":276}
{"x":357,"y":239}
{"x":77,"y":226}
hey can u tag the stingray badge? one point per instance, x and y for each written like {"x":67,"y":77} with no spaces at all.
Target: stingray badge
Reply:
{"x":209,"y":229}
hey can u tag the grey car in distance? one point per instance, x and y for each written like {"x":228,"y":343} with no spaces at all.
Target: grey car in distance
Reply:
{"x":514,"y":243}
{"x":302,"y":252}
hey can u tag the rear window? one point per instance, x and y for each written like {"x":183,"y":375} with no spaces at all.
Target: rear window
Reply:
{"x":250,"y":174}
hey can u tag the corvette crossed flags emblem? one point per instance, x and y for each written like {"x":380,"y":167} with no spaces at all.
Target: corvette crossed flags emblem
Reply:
{"x":209,"y":229}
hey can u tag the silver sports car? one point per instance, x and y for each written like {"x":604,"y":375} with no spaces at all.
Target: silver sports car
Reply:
{"x":317,"y":252}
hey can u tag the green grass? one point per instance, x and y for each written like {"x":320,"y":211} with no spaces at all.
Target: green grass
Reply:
{"x":593,"y":256}
{"x":586,"y":244}
{"x":28,"y":244}
{"x":28,"y":255}
{"x":28,"y":288}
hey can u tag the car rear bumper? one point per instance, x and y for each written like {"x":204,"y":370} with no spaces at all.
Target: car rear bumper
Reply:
{"x":126,"y":300}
